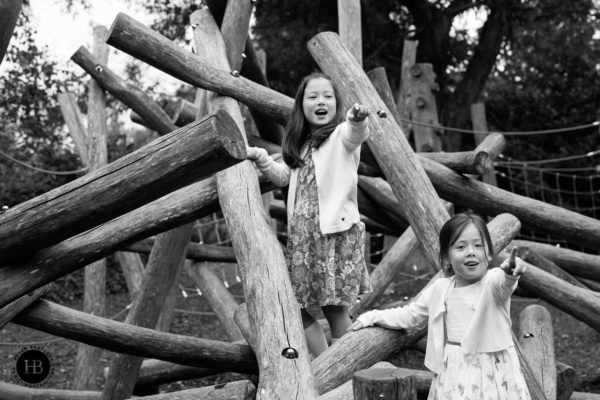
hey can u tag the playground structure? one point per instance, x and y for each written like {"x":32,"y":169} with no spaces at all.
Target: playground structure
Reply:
{"x":199,"y":168}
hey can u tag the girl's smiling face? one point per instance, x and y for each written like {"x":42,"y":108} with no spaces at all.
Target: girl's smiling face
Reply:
{"x":468,"y":256}
{"x":319,"y":103}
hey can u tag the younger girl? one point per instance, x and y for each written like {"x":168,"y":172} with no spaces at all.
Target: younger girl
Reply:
{"x":326,"y":239}
{"x":469,"y":345}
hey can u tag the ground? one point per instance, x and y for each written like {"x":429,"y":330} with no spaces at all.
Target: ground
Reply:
{"x":576,"y":344}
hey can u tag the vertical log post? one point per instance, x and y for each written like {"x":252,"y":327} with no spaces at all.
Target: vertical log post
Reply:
{"x":133,"y":269}
{"x":349,"y":26}
{"x":74,"y":119}
{"x":423,"y":108}
{"x":404,"y":99}
{"x":536,"y":337}
{"x":10,"y":10}
{"x":409,"y":182}
{"x":376,"y":384}
{"x":87,"y":361}
{"x":565,"y":381}
{"x":274,"y":313}
{"x":479,"y":121}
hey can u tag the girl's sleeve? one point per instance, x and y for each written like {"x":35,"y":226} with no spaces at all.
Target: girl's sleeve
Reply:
{"x":354,"y":133}
{"x":278,"y":173}
{"x":401,"y":317}
{"x":503,"y":285}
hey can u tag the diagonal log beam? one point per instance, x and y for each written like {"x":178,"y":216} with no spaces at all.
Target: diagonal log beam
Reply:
{"x":194,"y":251}
{"x":173,"y":161}
{"x":123,"y":338}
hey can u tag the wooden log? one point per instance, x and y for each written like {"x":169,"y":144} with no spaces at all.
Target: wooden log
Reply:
{"x":11,"y":310}
{"x":574,"y":262}
{"x":124,"y":338}
{"x":220,"y":299}
{"x":479,"y":122}
{"x":565,"y":381}
{"x":185,"y":113}
{"x":235,"y":25}
{"x":10,"y":10}
{"x":9,"y":391}
{"x":423,"y":108}
{"x":185,"y":156}
{"x":164,"y":265}
{"x":240,"y":390}
{"x":493,"y":144}
{"x":349,"y":27}
{"x":180,"y":207}
{"x":158,"y":372}
{"x":543,"y":263}
{"x":141,"y":42}
{"x":408,"y":180}
{"x":87,"y":360}
{"x":383,"y":195}
{"x":585,"y":396}
{"x":133,"y":270}
{"x":537,"y":342}
{"x":74,"y":119}
{"x":381,"y":84}
{"x":595,"y":286}
{"x":365,"y":347}
{"x":156,"y":118}
{"x":243,"y":322}
{"x":257,"y":141}
{"x":194,"y":251}
{"x":373,"y":384}
{"x":344,"y":392}
{"x":571,"y":299}
{"x":254,"y":70}
{"x":262,"y":263}
{"x":533,"y":214}
{"x":409,"y":56}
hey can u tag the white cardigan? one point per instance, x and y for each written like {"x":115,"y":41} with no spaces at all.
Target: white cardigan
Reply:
{"x":489,"y":330}
{"x":336,"y":164}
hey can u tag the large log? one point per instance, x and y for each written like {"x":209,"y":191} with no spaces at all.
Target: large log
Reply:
{"x":185,"y":205}
{"x":399,"y":163}
{"x":133,"y":270}
{"x":9,"y":391}
{"x":262,"y":263}
{"x":344,"y":392}
{"x":565,"y":380}
{"x":545,"y":264}
{"x":173,"y":161}
{"x":365,"y":347}
{"x":240,"y":390}
{"x":155,"y":117}
{"x":195,"y":251}
{"x":423,"y":107}
{"x":10,"y":10}
{"x":537,"y":342}
{"x":124,"y":338}
{"x":220,"y":299}
{"x":138,"y":40}
{"x":533,"y":214}
{"x":374,"y":384}
{"x":574,"y":262}
{"x":87,"y":361}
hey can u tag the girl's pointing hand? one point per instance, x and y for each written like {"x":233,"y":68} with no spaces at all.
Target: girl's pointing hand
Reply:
{"x":358,"y":112}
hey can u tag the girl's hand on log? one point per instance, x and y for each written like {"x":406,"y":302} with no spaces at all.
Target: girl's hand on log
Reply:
{"x":357,"y":325}
{"x":358,"y":112}
{"x":254,"y":153}
{"x":513,"y":265}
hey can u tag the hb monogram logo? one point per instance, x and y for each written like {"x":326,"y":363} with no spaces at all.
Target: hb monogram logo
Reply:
{"x":33,"y":366}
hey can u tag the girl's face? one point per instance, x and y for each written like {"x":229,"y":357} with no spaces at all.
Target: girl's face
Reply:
{"x":468,"y":256}
{"x":319,"y":103}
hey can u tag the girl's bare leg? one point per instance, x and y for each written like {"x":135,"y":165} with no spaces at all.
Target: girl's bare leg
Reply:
{"x":338,"y":318}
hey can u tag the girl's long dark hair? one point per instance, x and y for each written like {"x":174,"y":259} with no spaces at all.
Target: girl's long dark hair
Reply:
{"x":297,"y":131}
{"x":451,"y":231}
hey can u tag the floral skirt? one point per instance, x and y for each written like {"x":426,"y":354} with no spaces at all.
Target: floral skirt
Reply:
{"x":488,"y":376}
{"x":325,"y":270}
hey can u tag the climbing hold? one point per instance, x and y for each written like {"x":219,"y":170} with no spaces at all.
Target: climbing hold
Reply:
{"x":290,"y":353}
{"x":235,"y":73}
{"x":382,"y":114}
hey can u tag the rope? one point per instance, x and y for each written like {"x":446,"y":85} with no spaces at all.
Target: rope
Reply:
{"x":551,"y":160}
{"x":46,"y":171}
{"x":516,"y":133}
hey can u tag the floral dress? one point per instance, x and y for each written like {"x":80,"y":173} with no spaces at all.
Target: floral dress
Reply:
{"x":325,"y":270}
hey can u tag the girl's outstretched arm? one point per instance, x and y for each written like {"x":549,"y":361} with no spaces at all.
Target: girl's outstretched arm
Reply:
{"x":278,"y":173}
{"x":356,"y":130}
{"x":513,"y":265}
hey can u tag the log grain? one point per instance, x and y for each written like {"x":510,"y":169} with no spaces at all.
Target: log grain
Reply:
{"x":194,"y":251}
{"x":171,"y":162}
{"x":10,"y":311}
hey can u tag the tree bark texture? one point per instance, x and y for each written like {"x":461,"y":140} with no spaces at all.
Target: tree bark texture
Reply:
{"x":537,"y":343}
{"x":74,"y":119}
{"x":87,"y":361}
{"x":185,"y":156}
{"x":124,"y":338}
{"x":133,"y":270}
{"x":400,"y":165}
{"x":423,"y":108}
{"x":240,"y":390}
{"x":374,"y":384}
{"x":10,"y":10}
{"x":10,"y":311}
{"x":349,"y":27}
{"x":273,"y":309}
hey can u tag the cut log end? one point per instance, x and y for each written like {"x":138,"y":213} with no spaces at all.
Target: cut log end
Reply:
{"x":232,"y":139}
